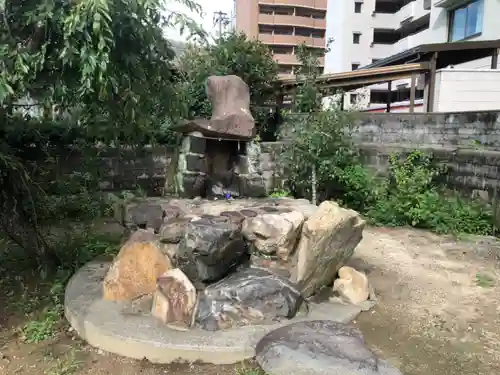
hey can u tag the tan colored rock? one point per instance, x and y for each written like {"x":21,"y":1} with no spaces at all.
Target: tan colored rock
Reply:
{"x":274,"y":233}
{"x":352,"y":286}
{"x":327,"y":241}
{"x":175,"y":300}
{"x":290,"y":241}
{"x":139,"y":263}
{"x":231,"y":116}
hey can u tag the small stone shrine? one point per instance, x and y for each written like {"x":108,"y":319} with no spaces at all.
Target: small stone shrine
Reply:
{"x":219,"y":157}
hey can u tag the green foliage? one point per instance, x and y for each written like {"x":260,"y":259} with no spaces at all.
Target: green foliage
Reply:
{"x":232,"y":54}
{"x":309,"y":96}
{"x":321,"y":142}
{"x":484,"y":280}
{"x":321,"y":145}
{"x":245,"y":370}
{"x":279,"y":194}
{"x":40,"y":296}
{"x":73,"y":74}
{"x":67,"y":365}
{"x":412,"y":196}
{"x":45,"y":326}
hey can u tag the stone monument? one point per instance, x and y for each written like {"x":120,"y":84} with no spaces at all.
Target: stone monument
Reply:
{"x":219,"y":156}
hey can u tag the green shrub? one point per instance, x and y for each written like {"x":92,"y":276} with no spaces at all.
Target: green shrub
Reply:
{"x":411,"y":196}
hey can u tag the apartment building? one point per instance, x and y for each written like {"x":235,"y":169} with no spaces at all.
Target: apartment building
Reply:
{"x":283,"y":25}
{"x":365,"y":31}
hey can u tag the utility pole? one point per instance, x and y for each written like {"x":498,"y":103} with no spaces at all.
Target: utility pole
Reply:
{"x":221,"y":18}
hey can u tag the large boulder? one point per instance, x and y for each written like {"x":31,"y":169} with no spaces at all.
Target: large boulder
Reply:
{"x":327,"y":241}
{"x":137,"y":266}
{"x":274,"y":233}
{"x":174,"y":300}
{"x":249,"y":296}
{"x":319,"y":347}
{"x":210,"y":249}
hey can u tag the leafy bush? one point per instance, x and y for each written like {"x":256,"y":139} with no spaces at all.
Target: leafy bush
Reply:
{"x":319,"y":139}
{"x":412,"y":196}
{"x":321,"y":157}
{"x":232,"y":54}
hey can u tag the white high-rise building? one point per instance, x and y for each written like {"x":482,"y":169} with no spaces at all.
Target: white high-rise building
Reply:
{"x":364,"y":31}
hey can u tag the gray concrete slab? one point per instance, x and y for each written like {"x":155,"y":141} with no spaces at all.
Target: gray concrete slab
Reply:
{"x":104,"y":325}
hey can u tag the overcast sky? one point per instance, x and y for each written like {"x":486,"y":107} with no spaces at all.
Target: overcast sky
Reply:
{"x":209,"y":7}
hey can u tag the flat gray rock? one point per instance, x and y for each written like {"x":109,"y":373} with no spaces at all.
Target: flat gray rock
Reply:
{"x":319,"y":347}
{"x":248,"y":296}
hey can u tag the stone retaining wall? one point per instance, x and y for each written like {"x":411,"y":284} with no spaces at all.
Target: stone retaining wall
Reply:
{"x":468,"y":142}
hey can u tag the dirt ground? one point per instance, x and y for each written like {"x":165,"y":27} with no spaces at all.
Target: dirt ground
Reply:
{"x":438,"y":313}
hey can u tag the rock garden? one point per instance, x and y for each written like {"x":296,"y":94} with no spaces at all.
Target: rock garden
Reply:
{"x":208,"y":279}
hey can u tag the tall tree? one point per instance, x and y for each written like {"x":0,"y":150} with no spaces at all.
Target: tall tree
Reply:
{"x":100,"y":68}
{"x":232,"y":53}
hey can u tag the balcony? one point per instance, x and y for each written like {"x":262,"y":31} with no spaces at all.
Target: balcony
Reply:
{"x":284,"y":20}
{"x":381,"y":51}
{"x":314,"y":4}
{"x":284,"y":59}
{"x":384,"y":21}
{"x":386,"y":50}
{"x":412,"y":11}
{"x":286,"y":76}
{"x":292,"y":40}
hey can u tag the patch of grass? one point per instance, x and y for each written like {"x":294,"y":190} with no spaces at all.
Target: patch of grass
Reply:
{"x":485,"y":281}
{"x":47,"y":322}
{"x":39,"y":296}
{"x":243,"y":370}
{"x":279,"y":194}
{"x":66,"y":365}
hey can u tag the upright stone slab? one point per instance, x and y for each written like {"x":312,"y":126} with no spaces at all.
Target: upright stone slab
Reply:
{"x":319,"y":347}
{"x":327,"y":241}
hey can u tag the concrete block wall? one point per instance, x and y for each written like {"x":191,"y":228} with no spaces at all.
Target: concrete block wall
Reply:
{"x":464,"y":130}
{"x":468,"y":142}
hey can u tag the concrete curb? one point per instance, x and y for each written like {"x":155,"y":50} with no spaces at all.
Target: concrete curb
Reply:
{"x":104,"y":325}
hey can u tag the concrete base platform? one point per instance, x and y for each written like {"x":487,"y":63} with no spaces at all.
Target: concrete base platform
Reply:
{"x":104,"y":325}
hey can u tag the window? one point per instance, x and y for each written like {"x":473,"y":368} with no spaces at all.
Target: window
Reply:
{"x":265,"y":29}
{"x":283,"y":11}
{"x":318,"y":33}
{"x":263,"y":9}
{"x":466,"y":21}
{"x":283,"y":30}
{"x":353,"y":98}
{"x":282,"y":50}
{"x":301,"y":31}
{"x":357,"y":7}
{"x":355,"y":66}
{"x":356,"y":38}
{"x":285,"y":69}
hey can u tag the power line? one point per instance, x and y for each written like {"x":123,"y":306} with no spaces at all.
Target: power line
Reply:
{"x":222,"y":19}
